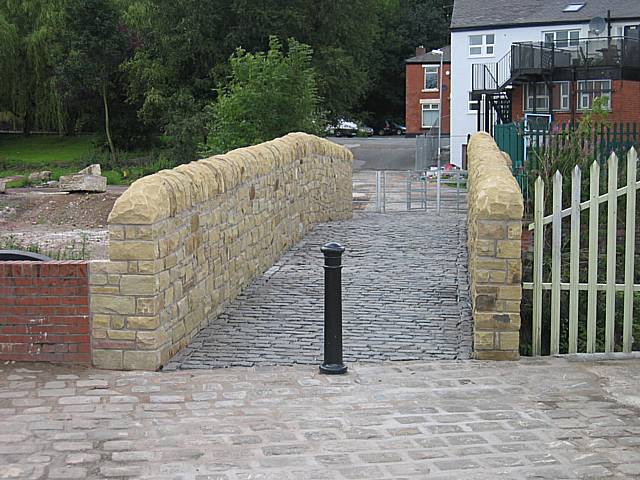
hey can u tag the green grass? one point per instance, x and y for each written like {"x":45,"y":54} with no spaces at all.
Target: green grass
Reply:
{"x":20,"y":155}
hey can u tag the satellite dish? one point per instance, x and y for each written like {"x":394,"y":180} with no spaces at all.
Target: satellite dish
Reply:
{"x":597,"y":25}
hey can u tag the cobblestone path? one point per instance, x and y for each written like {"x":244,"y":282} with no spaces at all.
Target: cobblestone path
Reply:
{"x":529,"y":420}
{"x":405,"y":297}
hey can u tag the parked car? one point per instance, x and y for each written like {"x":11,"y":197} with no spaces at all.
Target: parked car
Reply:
{"x":365,"y":131}
{"x":343,"y":128}
{"x":446,"y":171}
{"x":389,"y":127}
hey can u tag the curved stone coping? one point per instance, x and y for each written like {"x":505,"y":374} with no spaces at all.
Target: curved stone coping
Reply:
{"x":493,"y":188}
{"x":168,"y":192}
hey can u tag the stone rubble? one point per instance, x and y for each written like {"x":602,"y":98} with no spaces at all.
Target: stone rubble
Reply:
{"x":39,"y":177}
{"x":88,"y":179}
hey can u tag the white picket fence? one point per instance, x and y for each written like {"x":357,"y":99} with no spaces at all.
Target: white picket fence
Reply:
{"x":574,"y":286}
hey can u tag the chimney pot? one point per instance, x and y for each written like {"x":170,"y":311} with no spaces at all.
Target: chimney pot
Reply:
{"x":420,"y":50}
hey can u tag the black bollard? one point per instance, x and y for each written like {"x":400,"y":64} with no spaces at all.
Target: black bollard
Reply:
{"x":333,"y":309}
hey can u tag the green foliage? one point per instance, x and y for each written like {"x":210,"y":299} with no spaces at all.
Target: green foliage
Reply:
{"x":404,"y":25}
{"x":170,"y":74}
{"x":93,"y":47}
{"x":269,"y":95}
{"x":27,"y":53}
{"x":138,"y":69}
{"x":65,"y":155}
{"x":567,"y":150}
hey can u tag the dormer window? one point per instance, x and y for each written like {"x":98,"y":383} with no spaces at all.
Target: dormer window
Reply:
{"x":573,"y":7}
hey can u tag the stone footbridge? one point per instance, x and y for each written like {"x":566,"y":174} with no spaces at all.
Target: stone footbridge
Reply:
{"x":405,"y":297}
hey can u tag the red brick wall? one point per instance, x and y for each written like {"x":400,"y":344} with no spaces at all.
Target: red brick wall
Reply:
{"x":44,"y":312}
{"x":625,"y":103}
{"x":414,"y":93}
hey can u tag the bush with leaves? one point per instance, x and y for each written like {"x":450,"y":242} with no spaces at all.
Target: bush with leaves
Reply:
{"x":269,"y":95}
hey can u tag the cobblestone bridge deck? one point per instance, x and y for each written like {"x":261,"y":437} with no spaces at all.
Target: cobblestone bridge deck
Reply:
{"x":405,"y":297}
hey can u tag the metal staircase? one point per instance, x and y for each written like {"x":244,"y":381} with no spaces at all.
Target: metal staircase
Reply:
{"x":501,"y":103}
{"x":491,"y":81}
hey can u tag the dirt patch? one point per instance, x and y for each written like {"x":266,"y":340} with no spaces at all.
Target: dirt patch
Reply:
{"x":72,"y":225}
{"x":22,"y":207}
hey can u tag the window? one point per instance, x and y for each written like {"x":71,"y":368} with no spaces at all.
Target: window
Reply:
{"x":573,"y":7}
{"x":627,"y":31}
{"x":474,"y":102}
{"x":561,"y":96}
{"x":537,"y":94}
{"x":588,"y":90}
{"x":481,"y":45}
{"x":536,"y":97}
{"x":562,"y":38}
{"x":430,"y":114}
{"x":430,"y":77}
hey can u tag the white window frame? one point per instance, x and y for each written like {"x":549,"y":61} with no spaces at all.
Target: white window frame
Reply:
{"x":585,"y":98}
{"x":620,"y":28}
{"x":487,"y":49}
{"x":431,"y":106}
{"x":430,"y":69}
{"x":473,"y":102}
{"x":565,"y":94}
{"x":565,"y":97}
{"x":542,"y":93}
{"x":570,"y":42}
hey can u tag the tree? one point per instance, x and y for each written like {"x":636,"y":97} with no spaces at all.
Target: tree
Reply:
{"x":182,"y":61}
{"x":27,"y":50}
{"x":269,"y":95}
{"x":170,"y":75}
{"x":94,"y":45}
{"x":344,"y":36}
{"x":405,"y":24}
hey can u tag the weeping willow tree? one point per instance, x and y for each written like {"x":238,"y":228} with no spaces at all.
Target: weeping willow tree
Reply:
{"x":27,"y":53}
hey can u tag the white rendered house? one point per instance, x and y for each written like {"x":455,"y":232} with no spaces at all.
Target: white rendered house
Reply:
{"x":492,"y":34}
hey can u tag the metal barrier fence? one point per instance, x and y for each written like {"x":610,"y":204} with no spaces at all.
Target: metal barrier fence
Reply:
{"x":386,"y":191}
{"x":427,"y":150}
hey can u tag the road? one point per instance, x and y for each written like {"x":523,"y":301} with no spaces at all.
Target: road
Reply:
{"x":380,"y":153}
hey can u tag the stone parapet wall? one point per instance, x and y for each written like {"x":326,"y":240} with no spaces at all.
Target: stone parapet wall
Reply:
{"x":495,"y":266}
{"x":184,"y":242}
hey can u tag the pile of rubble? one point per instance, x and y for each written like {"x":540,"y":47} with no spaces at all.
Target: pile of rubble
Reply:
{"x":88,"y":179}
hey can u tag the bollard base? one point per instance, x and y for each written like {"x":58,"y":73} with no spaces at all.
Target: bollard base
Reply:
{"x":333,"y":368}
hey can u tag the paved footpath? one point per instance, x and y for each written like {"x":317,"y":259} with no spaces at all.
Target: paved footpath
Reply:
{"x":405,"y":297}
{"x":534,"y":419}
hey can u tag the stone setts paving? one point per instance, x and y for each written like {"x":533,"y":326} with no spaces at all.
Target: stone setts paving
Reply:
{"x":405,"y":297}
{"x":535,"y":419}
{"x":495,"y":266}
{"x":184,"y":242}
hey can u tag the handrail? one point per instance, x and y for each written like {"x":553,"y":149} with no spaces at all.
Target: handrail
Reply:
{"x":491,"y":76}
{"x":590,"y":52}
{"x":536,"y":56}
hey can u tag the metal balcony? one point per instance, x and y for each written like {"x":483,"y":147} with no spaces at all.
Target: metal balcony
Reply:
{"x":615,"y":57}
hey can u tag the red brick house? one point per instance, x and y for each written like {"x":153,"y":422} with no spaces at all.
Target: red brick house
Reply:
{"x":422,"y":104}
